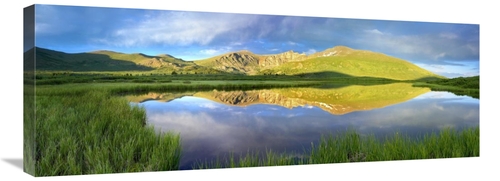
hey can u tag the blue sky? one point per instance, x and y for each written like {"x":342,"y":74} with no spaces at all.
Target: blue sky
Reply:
{"x":447,"y":49}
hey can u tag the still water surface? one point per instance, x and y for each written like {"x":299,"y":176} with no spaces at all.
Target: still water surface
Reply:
{"x":215,"y":123}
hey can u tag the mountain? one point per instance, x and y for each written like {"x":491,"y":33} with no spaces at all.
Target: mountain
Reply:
{"x":28,"y":63}
{"x":339,"y":61}
{"x":246,"y":62}
{"x":351,"y":62}
{"x":236,"y":62}
{"x":104,"y":60}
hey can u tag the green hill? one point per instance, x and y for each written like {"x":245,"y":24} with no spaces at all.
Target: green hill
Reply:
{"x":104,"y":60}
{"x":358,"y":63}
{"x":339,"y":61}
{"x":336,"y":61}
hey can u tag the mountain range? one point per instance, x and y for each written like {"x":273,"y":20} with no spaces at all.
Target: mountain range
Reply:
{"x":336,"y":61}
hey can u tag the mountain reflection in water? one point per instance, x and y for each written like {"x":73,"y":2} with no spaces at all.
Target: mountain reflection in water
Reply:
{"x":215,"y":123}
{"x":335,"y":101}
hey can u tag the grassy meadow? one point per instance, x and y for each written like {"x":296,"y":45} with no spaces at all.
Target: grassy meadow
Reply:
{"x":96,"y":133}
{"x":350,"y":146}
{"x":82,"y":124}
{"x":468,"y":86}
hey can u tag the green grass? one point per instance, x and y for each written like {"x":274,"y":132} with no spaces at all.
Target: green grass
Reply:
{"x":98,"y":133}
{"x":251,"y":159}
{"x":350,"y":146}
{"x":29,"y":129}
{"x":357,"y":63}
{"x":468,"y":86}
{"x":76,"y":89}
{"x":58,"y":77}
{"x":462,"y":82}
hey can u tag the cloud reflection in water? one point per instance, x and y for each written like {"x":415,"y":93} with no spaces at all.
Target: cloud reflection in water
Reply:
{"x":209,"y":129}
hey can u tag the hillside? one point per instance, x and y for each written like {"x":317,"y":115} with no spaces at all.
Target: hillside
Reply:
{"x":246,"y":62}
{"x":358,"y":63}
{"x":104,"y":60}
{"x":339,"y":61}
{"x":332,"y":62}
{"x":235,"y":62}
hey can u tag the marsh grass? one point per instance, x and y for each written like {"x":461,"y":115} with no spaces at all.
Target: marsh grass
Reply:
{"x":252,"y":159}
{"x":472,"y":92}
{"x":29,"y":129}
{"x":137,"y":88}
{"x":98,"y":133}
{"x":57,"y":78}
{"x":350,"y":146}
{"x":468,"y":86}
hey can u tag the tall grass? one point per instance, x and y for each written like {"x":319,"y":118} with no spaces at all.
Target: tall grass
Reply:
{"x":252,"y":159}
{"x":98,"y":133}
{"x":350,"y":146}
{"x":29,"y":129}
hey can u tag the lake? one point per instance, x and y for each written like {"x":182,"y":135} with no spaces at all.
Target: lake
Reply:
{"x":214,"y":124}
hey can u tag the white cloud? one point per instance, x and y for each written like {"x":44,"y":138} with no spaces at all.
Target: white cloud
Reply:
{"x":439,"y":55}
{"x":310,"y":51}
{"x":448,"y":35}
{"x":194,"y":127}
{"x":215,"y":51}
{"x":236,"y":44}
{"x":451,"y":71}
{"x":424,"y":47}
{"x":472,"y":48}
{"x":41,"y":28}
{"x":259,"y":41}
{"x":437,"y":66}
{"x":374,"y":31}
{"x":209,"y":106}
{"x":48,"y":20}
{"x":209,"y":51}
{"x":308,"y":106}
{"x":181,"y":28}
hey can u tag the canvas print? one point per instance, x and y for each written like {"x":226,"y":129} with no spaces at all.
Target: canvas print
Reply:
{"x":118,"y":90}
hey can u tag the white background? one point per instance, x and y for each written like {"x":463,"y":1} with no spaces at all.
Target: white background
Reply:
{"x":423,"y":10}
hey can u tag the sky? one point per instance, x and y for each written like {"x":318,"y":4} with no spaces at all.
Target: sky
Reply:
{"x":451,"y":50}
